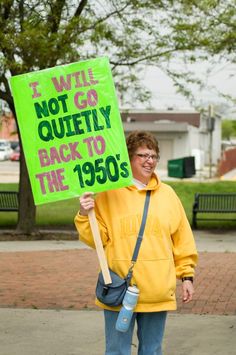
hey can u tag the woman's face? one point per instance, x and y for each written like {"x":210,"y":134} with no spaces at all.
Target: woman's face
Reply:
{"x":143,"y":164}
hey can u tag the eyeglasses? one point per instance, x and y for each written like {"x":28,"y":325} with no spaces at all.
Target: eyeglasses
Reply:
{"x":147,"y":156}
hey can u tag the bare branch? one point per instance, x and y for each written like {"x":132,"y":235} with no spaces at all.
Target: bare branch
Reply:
{"x":142,"y":59}
{"x":103,"y":19}
{"x":80,"y":8}
{"x":4,"y":81}
{"x":21,"y":14}
{"x":6,"y":9}
{"x":6,"y":97}
{"x":54,"y":18}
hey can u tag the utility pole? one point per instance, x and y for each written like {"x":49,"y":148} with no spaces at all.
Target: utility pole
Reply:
{"x":211,"y":127}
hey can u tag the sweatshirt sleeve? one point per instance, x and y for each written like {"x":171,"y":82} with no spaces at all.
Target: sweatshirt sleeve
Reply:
{"x":184,"y":248}
{"x":85,"y":233}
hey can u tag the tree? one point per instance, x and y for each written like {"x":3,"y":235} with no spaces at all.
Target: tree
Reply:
{"x":228,"y":129}
{"x":37,"y":34}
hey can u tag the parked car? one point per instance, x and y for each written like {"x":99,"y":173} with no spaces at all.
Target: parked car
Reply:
{"x":15,"y":156}
{"x":5,"y":149}
{"x":14,"y":144}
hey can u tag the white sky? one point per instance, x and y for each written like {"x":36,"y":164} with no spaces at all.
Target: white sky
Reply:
{"x":221,"y":79}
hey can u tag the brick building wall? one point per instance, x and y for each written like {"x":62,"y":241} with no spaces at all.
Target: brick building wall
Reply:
{"x":8,"y":128}
{"x":228,"y":161}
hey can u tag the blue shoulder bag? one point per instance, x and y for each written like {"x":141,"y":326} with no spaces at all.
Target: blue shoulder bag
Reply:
{"x":112,"y":294}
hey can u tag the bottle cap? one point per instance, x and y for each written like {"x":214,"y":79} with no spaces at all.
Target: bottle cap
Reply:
{"x":133,"y":289}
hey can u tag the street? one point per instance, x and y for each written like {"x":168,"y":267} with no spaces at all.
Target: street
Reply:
{"x":9,"y":171}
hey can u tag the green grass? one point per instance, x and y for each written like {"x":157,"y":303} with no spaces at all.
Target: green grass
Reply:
{"x":8,"y":219}
{"x":59,"y":214}
{"x":186,"y":192}
{"x":62,"y":213}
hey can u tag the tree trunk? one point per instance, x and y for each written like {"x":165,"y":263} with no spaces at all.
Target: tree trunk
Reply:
{"x":27,"y":208}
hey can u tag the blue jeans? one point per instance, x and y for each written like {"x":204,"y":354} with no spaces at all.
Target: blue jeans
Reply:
{"x":150,"y":331}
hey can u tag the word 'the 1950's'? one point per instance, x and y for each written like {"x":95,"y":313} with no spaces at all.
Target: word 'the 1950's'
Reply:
{"x":101,"y":170}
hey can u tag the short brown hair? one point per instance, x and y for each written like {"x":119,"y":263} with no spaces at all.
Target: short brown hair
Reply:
{"x":137,"y":139}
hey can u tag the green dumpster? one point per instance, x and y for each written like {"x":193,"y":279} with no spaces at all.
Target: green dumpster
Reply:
{"x":176,"y":168}
{"x":182,"y":167}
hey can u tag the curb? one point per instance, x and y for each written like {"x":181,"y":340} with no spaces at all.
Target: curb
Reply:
{"x":47,"y":234}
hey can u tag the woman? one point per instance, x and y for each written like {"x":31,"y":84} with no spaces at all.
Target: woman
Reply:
{"x":167,"y":251}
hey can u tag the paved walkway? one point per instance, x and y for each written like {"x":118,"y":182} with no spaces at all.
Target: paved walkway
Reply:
{"x":65,"y":279}
{"x":43,"y":282}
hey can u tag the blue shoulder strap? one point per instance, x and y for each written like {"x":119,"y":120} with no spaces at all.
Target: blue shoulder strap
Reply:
{"x":142,"y":227}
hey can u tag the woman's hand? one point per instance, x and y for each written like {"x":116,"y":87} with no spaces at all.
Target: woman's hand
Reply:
{"x":86,"y":203}
{"x":187,"y":291}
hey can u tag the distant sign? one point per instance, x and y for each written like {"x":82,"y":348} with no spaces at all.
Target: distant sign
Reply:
{"x":71,"y":130}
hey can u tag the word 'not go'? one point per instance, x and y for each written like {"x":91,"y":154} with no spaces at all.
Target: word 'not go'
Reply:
{"x":56,"y":104}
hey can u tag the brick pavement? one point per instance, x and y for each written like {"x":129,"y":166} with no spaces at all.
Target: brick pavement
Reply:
{"x":66,"y":280}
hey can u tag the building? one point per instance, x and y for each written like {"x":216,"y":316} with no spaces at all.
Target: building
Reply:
{"x":8,"y":129}
{"x":180,"y":134}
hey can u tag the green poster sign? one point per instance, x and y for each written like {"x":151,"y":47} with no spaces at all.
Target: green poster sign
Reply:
{"x":71,"y":130}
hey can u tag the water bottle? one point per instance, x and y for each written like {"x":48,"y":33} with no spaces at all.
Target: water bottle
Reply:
{"x":126,"y":312}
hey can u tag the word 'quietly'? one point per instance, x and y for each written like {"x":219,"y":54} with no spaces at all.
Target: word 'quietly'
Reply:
{"x":75,"y":124}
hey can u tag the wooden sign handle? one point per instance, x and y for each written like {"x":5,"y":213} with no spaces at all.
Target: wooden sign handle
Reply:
{"x":99,"y":247}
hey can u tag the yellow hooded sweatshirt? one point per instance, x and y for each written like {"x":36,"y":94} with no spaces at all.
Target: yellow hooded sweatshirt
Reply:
{"x":167,"y":250}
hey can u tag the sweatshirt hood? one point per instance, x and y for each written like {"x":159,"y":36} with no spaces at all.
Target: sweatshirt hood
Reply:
{"x":153,"y":184}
